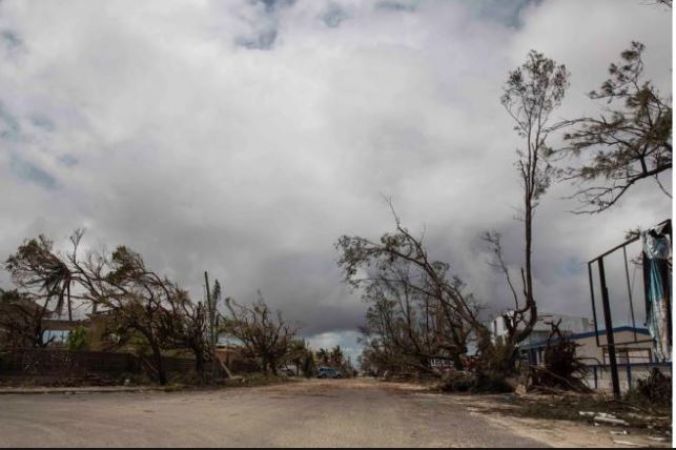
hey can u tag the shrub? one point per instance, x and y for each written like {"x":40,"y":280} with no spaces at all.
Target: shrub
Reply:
{"x":78,"y":339}
{"x":654,"y":390}
{"x":475,"y":382}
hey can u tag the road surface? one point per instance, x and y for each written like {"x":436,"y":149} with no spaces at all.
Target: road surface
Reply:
{"x":315,"y":413}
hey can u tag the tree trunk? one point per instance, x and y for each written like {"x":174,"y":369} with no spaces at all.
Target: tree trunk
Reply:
{"x":199,"y":365}
{"x":159,"y":365}
{"x":457,"y":362}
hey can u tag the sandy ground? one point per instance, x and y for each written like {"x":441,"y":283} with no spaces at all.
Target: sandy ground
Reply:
{"x":557,"y":433}
{"x":326,"y":413}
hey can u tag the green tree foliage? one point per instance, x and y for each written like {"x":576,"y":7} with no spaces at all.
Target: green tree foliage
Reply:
{"x":302,"y":357}
{"x":141,"y":301}
{"x":37,"y":268}
{"x":309,"y":365}
{"x":138,"y":301}
{"x":629,"y":142}
{"x":337,"y":357}
{"x":323,"y":356}
{"x":78,"y":339}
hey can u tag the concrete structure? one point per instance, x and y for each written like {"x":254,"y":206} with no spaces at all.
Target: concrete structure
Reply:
{"x":541,"y":330}
{"x":634,"y":346}
{"x":634,"y":351}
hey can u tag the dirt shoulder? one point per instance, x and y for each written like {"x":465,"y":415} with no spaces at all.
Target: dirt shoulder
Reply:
{"x":307,"y":413}
{"x":521,"y":416}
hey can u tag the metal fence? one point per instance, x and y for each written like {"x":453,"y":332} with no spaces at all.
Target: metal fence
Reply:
{"x":64,"y":362}
{"x":599,"y":375}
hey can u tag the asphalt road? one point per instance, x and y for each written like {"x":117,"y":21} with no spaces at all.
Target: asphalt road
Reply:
{"x":331,"y":413}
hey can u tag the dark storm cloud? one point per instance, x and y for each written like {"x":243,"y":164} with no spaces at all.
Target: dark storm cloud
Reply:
{"x":166,"y":128}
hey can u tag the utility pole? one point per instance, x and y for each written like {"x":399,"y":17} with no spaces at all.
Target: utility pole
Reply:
{"x":212,"y":319}
{"x":610,"y":337}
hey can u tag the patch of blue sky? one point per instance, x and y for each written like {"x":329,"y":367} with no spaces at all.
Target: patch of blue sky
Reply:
{"x":573,"y":266}
{"x":506,"y":12}
{"x":32,"y":173}
{"x":263,"y":40}
{"x":68,"y":160}
{"x":43,"y":122}
{"x":334,"y":15}
{"x":10,"y":39}
{"x":272,"y":5}
{"x":9,"y":125}
{"x":394,"y":5}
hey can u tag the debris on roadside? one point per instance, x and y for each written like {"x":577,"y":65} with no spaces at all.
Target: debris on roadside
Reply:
{"x":626,"y":443}
{"x":619,"y":433}
{"x":610,"y":419}
{"x":604,"y":418}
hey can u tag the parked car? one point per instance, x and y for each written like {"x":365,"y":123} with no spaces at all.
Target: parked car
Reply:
{"x":328,"y":372}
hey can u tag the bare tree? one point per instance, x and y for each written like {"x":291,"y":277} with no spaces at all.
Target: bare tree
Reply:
{"x":532,"y":92}
{"x":265,"y":336}
{"x":629,"y":142}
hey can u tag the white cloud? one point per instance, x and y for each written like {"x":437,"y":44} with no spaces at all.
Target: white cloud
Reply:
{"x":161,"y":132}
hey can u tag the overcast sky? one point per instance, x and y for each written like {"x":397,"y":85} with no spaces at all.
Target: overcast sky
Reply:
{"x":244,"y":137}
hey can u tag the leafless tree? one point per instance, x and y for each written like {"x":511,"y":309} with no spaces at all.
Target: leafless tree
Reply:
{"x":264,"y":335}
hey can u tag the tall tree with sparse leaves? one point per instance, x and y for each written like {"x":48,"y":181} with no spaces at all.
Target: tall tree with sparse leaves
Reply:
{"x":532,"y":92}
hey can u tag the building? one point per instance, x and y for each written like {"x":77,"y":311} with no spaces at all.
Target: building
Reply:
{"x":542,"y":328}
{"x":633,"y":346}
{"x":633,"y":351}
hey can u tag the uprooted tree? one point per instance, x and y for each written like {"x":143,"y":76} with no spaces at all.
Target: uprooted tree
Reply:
{"x":562,"y":368}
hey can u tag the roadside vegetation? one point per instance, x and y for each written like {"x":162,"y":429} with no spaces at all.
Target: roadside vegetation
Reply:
{"x":423,"y":321}
{"x":133,"y":309}
{"x":422,"y":318}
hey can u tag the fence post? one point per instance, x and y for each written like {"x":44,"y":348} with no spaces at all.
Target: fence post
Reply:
{"x":610,"y":339}
{"x":628,"y":376}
